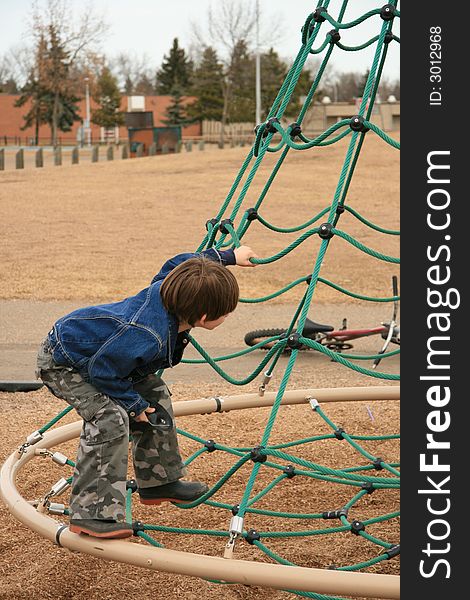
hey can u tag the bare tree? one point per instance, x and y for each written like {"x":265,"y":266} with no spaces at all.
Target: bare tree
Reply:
{"x":71,"y":41}
{"x":20,"y":59}
{"x":79,"y":34}
{"x":7,"y":78}
{"x":131,"y":70}
{"x":229,"y":24}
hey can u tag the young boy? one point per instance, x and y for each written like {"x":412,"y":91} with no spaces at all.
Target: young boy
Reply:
{"x":102,"y":360}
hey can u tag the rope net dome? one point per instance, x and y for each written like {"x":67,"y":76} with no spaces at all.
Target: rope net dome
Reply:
{"x":288,"y":471}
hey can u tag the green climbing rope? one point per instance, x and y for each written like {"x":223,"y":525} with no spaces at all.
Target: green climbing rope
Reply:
{"x":274,"y":458}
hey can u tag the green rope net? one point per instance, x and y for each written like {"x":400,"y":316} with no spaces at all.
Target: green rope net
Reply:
{"x":372,"y":473}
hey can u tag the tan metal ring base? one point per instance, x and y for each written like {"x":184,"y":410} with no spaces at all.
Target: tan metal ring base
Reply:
{"x":185,"y":563}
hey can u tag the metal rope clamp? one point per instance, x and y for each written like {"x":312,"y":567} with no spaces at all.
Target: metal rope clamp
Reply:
{"x":32,"y":439}
{"x":236,"y":529}
{"x":266,"y":380}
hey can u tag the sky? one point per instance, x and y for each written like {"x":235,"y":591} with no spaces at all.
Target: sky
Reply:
{"x":148,"y":27}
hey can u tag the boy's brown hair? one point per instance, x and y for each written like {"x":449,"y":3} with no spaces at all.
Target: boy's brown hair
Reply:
{"x":197,"y":287}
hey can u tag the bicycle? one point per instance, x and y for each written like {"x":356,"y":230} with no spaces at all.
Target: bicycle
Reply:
{"x":337,"y":340}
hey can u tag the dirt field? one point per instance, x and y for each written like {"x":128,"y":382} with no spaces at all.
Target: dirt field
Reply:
{"x":97,"y":232}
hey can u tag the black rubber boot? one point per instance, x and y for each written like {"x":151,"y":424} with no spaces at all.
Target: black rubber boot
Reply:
{"x":177,"y":491}
{"x":101,"y":528}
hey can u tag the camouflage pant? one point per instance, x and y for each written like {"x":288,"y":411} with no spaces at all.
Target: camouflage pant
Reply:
{"x":99,"y":480}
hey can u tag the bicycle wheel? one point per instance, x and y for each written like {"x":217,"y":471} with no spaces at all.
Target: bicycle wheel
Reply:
{"x":255,"y":337}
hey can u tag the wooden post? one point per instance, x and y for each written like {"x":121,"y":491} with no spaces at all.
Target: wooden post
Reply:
{"x":110,"y":153}
{"x":165,"y":149}
{"x":20,"y":159}
{"x":125,"y":151}
{"x":153,"y":149}
{"x":95,"y":154}
{"x":139,"y":150}
{"x":189,"y":146}
{"x":201,"y":145}
{"x":2,"y":159}
{"x":75,"y":155}
{"x":58,"y":156}
{"x":179,"y":145}
{"x":39,"y":158}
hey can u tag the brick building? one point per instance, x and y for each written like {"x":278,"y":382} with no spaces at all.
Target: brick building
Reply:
{"x":11,"y":121}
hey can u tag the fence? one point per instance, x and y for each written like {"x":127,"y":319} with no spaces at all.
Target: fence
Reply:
{"x":38,"y":157}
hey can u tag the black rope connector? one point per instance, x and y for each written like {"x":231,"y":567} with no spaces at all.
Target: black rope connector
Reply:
{"x":325,"y":231}
{"x":137,"y":526}
{"x":210,"y":445}
{"x":223,"y":224}
{"x":131,"y":484}
{"x":212,"y":222}
{"x":387,"y":12}
{"x":289,"y":470}
{"x":308,"y":280}
{"x":293,"y":341}
{"x":388,"y":37}
{"x":252,"y":536}
{"x":368,"y":487}
{"x":335,"y":514}
{"x":393,"y":551}
{"x":340,"y":209}
{"x":235,"y":509}
{"x":295,"y":129}
{"x":332,"y":568}
{"x":378,"y":464}
{"x":330,"y":514}
{"x":256,"y":456}
{"x":357,"y":526}
{"x":270,"y":126}
{"x":357,"y":124}
{"x":339,"y":433}
{"x":251,"y":214}
{"x":318,"y":14}
{"x":334,"y":36}
{"x":256,"y":129}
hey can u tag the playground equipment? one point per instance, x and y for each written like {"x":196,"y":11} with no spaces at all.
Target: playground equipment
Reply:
{"x":265,"y":457}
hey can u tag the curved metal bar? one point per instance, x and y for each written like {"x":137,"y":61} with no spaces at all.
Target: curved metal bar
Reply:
{"x":185,"y":563}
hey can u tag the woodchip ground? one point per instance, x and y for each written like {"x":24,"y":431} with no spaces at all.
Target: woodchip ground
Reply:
{"x":99,"y":232}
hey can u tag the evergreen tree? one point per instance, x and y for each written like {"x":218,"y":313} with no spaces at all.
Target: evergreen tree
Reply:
{"x":108,"y":97}
{"x":144,"y":86}
{"x":207,"y":87}
{"x":128,"y":86}
{"x":176,"y":70}
{"x":38,"y":111}
{"x":52,"y":72}
{"x":35,"y":91}
{"x":64,"y":109}
{"x":362,"y":84}
{"x":241,"y":76}
{"x":175,"y":114}
{"x":301,"y":90}
{"x":273,"y":73}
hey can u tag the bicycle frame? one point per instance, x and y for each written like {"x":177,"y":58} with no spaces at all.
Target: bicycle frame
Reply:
{"x":345,"y":335}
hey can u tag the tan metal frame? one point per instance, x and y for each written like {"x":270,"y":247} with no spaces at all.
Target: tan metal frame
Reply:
{"x":185,"y":563}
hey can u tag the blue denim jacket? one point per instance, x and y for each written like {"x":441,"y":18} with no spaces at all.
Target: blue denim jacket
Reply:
{"x":115,"y":345}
